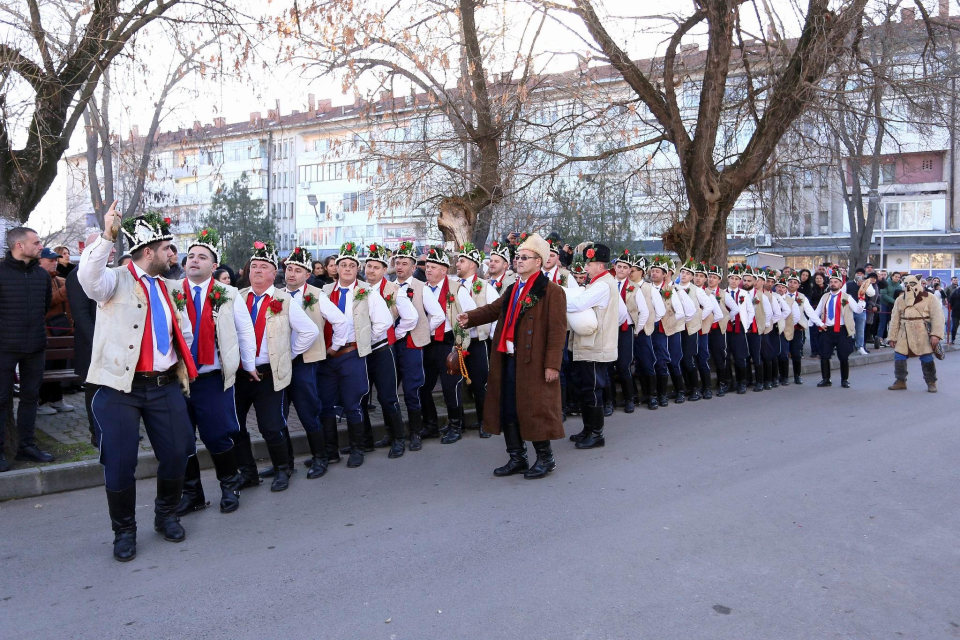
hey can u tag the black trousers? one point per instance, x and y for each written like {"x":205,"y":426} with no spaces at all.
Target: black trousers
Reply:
{"x":770,"y":345}
{"x":589,"y":379}
{"x":718,"y":349}
{"x":89,"y":390}
{"x":621,"y":366}
{"x":689,"y":347}
{"x":839,"y":340}
{"x":266,"y":403}
{"x":31,"y":377}
{"x":434,"y":368}
{"x":478,"y":368}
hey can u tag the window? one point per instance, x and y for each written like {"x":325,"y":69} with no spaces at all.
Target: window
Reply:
{"x":909,"y":216}
{"x":888,"y":173}
{"x":807,"y":178}
{"x":920,"y":261}
{"x":808,"y":224}
{"x":355,"y":201}
{"x":941,"y":260}
{"x":824,"y":222}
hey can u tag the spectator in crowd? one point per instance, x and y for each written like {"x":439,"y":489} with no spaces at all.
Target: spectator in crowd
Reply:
{"x":786,"y":271}
{"x":58,"y":323}
{"x":887,"y":297}
{"x":223,"y":276}
{"x":954,"y":301}
{"x":805,"y":282}
{"x":64,"y":266}
{"x":124,"y":259}
{"x":174,"y":270}
{"x":25,"y":295}
{"x":860,"y":319}
{"x":243,"y":276}
{"x":420,"y":272}
{"x":319,"y":277}
{"x":817,"y":289}
{"x":873,"y":310}
{"x":84,"y":312}
{"x":330,"y":268}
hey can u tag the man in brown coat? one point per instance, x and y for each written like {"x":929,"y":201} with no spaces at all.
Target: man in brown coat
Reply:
{"x":527,"y":351}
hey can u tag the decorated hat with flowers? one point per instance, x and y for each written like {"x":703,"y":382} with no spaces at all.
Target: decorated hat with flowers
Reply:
{"x":781,"y":282}
{"x":469,"y":251}
{"x":555,"y":242}
{"x":596,"y":253}
{"x":736,"y":269}
{"x":406,"y":250}
{"x":625,"y":257}
{"x":503,"y":249}
{"x":715,"y":270}
{"x":146,"y":229}
{"x":209,"y":239}
{"x":578,"y":266}
{"x":265,"y":251}
{"x":794,"y":276}
{"x":702,"y":268}
{"x":690,"y":265}
{"x":301,"y":258}
{"x":660,"y":261}
{"x":437,"y":255}
{"x":378,"y":253}
{"x":639,"y":262}
{"x":348,"y":251}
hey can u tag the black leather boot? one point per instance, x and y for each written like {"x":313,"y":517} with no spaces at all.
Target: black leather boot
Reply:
{"x":784,"y":372}
{"x":678,"y":388}
{"x":271,"y":471}
{"x":594,"y":438}
{"x":769,"y":380}
{"x":281,"y":463}
{"x":545,"y":462}
{"x":318,"y":447}
{"x":845,"y":374}
{"x":226,"y":466}
{"x":165,"y":518}
{"x":742,"y":382}
{"x":517,"y":450}
{"x":431,"y":426}
{"x":192,"y":499}
{"x":415,"y":418}
{"x":609,"y":395}
{"x":480,"y":403}
{"x":387,"y":438}
{"x":797,"y":364}
{"x":246,"y":463}
{"x":585,"y":417}
{"x":355,"y":433}
{"x":454,"y":426}
{"x":690,"y":382}
{"x":330,"y":439}
{"x":396,"y":429}
{"x":824,"y":373}
{"x":651,"y":402}
{"x":662,"y":391}
{"x":758,"y":367}
{"x":644,"y":389}
{"x":123,"y":519}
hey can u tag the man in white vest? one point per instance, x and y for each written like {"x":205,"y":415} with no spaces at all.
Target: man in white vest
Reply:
{"x":620,"y":369}
{"x":342,"y":378}
{"x":710,"y":315}
{"x":667,"y":331}
{"x":382,"y":361}
{"x":410,"y":345}
{"x":838,"y":328}
{"x":282,"y":331}
{"x":469,"y":259}
{"x":140,"y":352}
{"x":770,"y":348}
{"x":716,"y":330}
{"x":807,"y":315}
{"x":454,"y":299}
{"x":592,"y":355}
{"x":303,"y":392}
{"x":223,"y":341}
{"x":646,"y":309}
{"x":499,"y":274}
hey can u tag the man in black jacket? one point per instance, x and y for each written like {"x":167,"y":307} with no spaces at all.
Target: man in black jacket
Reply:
{"x":84,"y":312}
{"x":25,"y":294}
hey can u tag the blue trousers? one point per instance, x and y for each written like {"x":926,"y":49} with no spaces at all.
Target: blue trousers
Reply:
{"x":621,"y":366}
{"x":770,"y":345}
{"x":213,"y":412}
{"x":589,"y":379}
{"x":164,"y":413}
{"x":342,"y":381}
{"x":382,"y":374}
{"x":814,"y":341}
{"x":410,"y":369}
{"x":703,"y":357}
{"x":689,"y":347}
{"x":304,"y":395}
{"x":924,"y":358}
{"x":643,"y":354}
{"x":668,"y":351}
{"x":860,"y":324}
{"x":718,"y":349}
{"x":268,"y":405}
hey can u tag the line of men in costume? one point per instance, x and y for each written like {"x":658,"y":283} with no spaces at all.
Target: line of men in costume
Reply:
{"x":192,"y":357}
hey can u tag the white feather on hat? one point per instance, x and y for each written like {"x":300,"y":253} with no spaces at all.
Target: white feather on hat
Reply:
{"x":538,"y":245}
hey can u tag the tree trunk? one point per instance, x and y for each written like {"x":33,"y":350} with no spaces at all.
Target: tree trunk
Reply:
{"x":702,"y":234}
{"x":456,"y":220}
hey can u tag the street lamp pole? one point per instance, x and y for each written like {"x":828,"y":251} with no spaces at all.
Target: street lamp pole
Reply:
{"x":312,"y":199}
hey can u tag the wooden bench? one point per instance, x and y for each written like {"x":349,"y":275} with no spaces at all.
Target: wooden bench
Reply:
{"x":60,"y":349}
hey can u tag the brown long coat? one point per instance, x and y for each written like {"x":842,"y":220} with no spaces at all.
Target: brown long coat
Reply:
{"x":539,"y":338}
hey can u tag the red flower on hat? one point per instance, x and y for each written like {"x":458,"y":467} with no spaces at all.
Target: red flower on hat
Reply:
{"x":167,"y":220}
{"x":373,"y":247}
{"x":204,"y":233}
{"x":349,"y":246}
{"x":258,"y":245}
{"x":626,"y":252}
{"x":591,"y":253}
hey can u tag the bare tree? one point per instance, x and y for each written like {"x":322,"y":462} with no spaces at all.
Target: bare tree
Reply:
{"x":51,"y":62}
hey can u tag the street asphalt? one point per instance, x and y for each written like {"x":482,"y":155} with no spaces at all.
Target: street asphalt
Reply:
{"x":792,"y":513}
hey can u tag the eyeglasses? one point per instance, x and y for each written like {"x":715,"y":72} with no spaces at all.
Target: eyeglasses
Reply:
{"x":525,"y":258}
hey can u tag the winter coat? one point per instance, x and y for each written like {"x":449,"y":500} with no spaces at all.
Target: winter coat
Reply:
{"x":889,"y":295}
{"x":25,"y":296}
{"x":84,"y":312}
{"x":538,"y":344}
{"x":908,"y":324}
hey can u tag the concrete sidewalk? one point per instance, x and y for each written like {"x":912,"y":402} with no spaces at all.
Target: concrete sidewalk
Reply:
{"x":77,"y":467}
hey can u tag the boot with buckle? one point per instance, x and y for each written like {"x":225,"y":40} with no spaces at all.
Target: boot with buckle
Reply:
{"x":355,"y":433}
{"x":662,"y":398}
{"x":165,"y":518}
{"x":797,"y":364}
{"x":545,"y":461}
{"x":454,"y":426}
{"x":318,"y":447}
{"x":226,"y":467}
{"x":397,"y":430}
{"x":594,"y":438}
{"x":517,"y":450}
{"x":281,"y":463}
{"x":123,"y":519}
{"x":678,"y":387}
{"x":415,"y":418}
{"x":246,"y":463}
{"x":824,"y":373}
{"x":193,"y":498}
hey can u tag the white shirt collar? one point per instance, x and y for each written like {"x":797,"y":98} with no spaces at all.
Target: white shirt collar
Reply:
{"x":203,"y":285}
{"x":269,"y":292}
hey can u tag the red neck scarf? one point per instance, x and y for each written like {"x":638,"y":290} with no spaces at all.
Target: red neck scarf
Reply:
{"x":205,"y":331}
{"x":444,"y":290}
{"x":392,"y":331}
{"x":837,"y":312}
{"x":598,"y":277}
{"x":145,"y":362}
{"x":513,"y":312}
{"x":261,"y":322}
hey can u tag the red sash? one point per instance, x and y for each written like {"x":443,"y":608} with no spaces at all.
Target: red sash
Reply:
{"x":836,"y":314}
{"x":327,"y":327}
{"x":204,"y":333}
{"x":392,"y":331}
{"x":444,"y":290}
{"x":623,"y":296}
{"x":513,"y":312}
{"x":261,"y":322}
{"x":145,"y":362}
